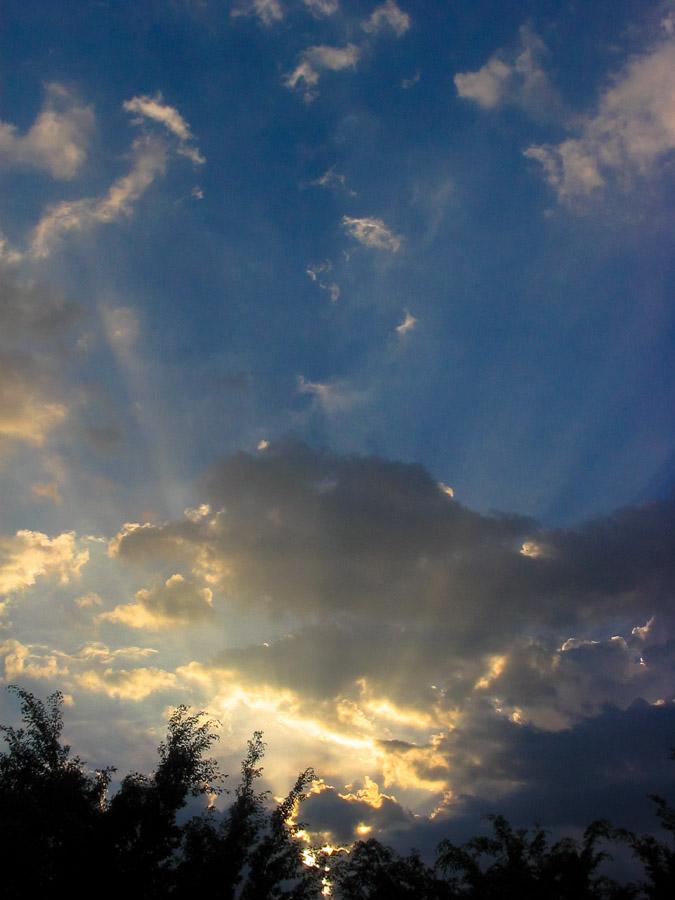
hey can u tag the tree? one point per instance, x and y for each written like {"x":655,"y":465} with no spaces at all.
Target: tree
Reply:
{"x":50,"y":807}
{"x":511,"y":864}
{"x":371,"y":871}
{"x":140,"y":822}
{"x":657,"y":857}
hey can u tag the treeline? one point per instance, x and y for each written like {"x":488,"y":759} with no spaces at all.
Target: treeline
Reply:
{"x":61,"y":832}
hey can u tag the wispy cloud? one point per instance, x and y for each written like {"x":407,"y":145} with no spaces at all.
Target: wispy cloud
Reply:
{"x":387,"y":15}
{"x":57,"y":141}
{"x":631,"y":132}
{"x":321,"y":8}
{"x":407,"y":324}
{"x":154,"y":108}
{"x":149,"y":157}
{"x":332,"y":397}
{"x":332,"y":179}
{"x":316,"y":59}
{"x":266,"y":11}
{"x":372,"y":233}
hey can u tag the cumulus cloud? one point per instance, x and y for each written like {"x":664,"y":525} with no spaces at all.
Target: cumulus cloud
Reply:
{"x":387,"y":15}
{"x":177,"y":600}
{"x":149,"y":159}
{"x":372,"y":233}
{"x":515,"y":78}
{"x":316,"y":59}
{"x":366,"y":587}
{"x":126,"y":684}
{"x":57,"y":141}
{"x":29,"y":555}
{"x":154,"y":108}
{"x":630,"y":134}
{"x":383,"y":533}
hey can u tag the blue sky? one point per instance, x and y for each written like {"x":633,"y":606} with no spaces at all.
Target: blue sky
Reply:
{"x":325,"y":323}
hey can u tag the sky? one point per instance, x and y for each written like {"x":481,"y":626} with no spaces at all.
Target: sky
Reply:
{"x":336,"y":396}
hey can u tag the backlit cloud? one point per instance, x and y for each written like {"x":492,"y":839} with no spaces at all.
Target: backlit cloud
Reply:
{"x":29,"y":555}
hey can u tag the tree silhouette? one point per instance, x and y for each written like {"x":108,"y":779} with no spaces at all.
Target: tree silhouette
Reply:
{"x":49,"y":805}
{"x":512,"y":864}
{"x":59,"y":832}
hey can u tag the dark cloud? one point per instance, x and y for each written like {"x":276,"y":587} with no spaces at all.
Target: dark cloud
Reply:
{"x":315,"y":534}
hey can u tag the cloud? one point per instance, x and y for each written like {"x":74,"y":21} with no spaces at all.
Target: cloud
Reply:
{"x":630,"y":134}
{"x":387,"y":15}
{"x":122,"y":327}
{"x":58,"y":140}
{"x":515,"y":78}
{"x":127,"y":684}
{"x":149,"y":160}
{"x":321,"y":8}
{"x":372,"y":233}
{"x":332,"y":397}
{"x":156,"y":110}
{"x":27,"y":414}
{"x":313,"y":273}
{"x":407,"y":324}
{"x":29,"y":555}
{"x":332,"y":180}
{"x":385,"y":532}
{"x":316,"y":59}
{"x":35,"y":324}
{"x":266,"y":11}
{"x":177,"y":600}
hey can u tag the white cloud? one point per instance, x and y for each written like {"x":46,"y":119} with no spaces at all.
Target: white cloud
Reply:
{"x":149,"y":161}
{"x":314,"y":60}
{"x":387,"y":15}
{"x":266,"y":11}
{"x":57,"y":141}
{"x":407,"y":324}
{"x":29,"y":555}
{"x":632,"y":131}
{"x":320,"y":8}
{"x":372,"y":233}
{"x":154,"y":108}
{"x":515,"y":78}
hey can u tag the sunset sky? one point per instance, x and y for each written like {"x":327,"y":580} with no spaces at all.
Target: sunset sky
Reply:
{"x":336,"y":395}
